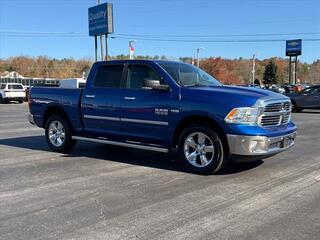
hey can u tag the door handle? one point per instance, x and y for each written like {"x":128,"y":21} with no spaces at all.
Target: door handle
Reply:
{"x":129,"y":98}
{"x":90,"y":96}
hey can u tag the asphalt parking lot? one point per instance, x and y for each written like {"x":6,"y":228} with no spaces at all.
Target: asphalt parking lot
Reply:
{"x":102,"y":192}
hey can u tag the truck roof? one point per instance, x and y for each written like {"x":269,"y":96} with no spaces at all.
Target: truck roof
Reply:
{"x":138,"y":61}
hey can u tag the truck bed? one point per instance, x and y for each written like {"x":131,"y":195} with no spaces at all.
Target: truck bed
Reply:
{"x":43,"y":99}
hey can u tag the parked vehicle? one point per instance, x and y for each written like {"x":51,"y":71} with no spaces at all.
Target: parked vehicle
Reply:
{"x":277,"y":89}
{"x":72,"y":83}
{"x":309,"y":98}
{"x":11,"y":92}
{"x":166,"y":106}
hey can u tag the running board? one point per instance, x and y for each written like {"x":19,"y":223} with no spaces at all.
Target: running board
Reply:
{"x":123,"y":144}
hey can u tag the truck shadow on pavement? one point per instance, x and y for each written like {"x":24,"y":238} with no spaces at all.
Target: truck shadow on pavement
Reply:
{"x":119,"y":154}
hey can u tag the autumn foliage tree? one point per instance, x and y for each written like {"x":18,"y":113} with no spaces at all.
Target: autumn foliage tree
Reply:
{"x":228,"y":71}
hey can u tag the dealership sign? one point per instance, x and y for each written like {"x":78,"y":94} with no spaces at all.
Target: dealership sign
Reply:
{"x":100,"y":19}
{"x":293,"y":47}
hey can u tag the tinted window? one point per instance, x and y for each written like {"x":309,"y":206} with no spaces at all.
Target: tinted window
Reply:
{"x":15,"y":87}
{"x":310,"y":90}
{"x":138,"y":75}
{"x":3,"y":86}
{"x":108,"y":76}
{"x":188,"y":75}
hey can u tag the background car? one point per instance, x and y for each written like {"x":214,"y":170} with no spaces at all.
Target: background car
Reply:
{"x":309,"y":98}
{"x":12,"y":92}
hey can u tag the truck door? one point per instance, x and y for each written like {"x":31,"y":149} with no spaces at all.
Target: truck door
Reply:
{"x":310,"y":97}
{"x":146,"y":113}
{"x":101,"y":101}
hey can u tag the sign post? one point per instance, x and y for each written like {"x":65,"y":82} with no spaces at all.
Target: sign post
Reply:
{"x":101,"y":23}
{"x":293,"y":49}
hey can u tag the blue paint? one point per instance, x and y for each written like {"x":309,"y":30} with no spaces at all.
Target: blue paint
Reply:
{"x":213,"y":102}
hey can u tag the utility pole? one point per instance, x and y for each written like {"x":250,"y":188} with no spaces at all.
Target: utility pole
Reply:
{"x":130,"y":48}
{"x":198,"y":60}
{"x":101,"y":38}
{"x":253,"y":67}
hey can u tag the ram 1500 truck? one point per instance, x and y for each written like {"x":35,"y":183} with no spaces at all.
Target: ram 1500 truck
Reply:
{"x":164,"y":106}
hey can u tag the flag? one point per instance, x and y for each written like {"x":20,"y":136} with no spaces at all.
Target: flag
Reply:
{"x":131,"y":50}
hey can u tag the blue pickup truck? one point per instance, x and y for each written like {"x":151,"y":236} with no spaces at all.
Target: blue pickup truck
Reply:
{"x":166,"y":106}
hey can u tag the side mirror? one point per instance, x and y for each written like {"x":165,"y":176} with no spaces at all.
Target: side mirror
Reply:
{"x":155,"y":84}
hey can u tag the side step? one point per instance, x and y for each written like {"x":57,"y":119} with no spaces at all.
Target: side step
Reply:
{"x":123,"y":144}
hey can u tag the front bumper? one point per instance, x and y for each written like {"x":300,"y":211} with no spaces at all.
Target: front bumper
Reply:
{"x":252,"y":146}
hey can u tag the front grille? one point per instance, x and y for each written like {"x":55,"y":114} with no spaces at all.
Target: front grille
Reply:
{"x":275,"y":114}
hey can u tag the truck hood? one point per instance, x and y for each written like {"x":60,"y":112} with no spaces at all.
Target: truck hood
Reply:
{"x":236,"y":96}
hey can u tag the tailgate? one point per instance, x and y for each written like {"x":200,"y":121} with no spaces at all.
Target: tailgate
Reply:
{"x":15,"y":94}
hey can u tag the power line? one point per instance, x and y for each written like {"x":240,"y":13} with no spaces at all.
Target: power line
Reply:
{"x":221,"y":35}
{"x":76,"y":34}
{"x":219,"y":41}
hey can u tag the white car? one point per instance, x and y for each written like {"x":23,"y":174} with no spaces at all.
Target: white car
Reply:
{"x":12,"y":92}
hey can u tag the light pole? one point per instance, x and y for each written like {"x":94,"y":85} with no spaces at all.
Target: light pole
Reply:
{"x":253,"y":67}
{"x":130,"y":48}
{"x":198,"y":60}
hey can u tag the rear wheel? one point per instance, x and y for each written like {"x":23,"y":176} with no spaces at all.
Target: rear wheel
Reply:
{"x":20,"y":100}
{"x":58,"y":134}
{"x":201,"y":150}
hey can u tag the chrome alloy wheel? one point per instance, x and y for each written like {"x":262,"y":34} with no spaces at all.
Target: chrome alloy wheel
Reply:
{"x":56,"y":133}
{"x":199,"y":149}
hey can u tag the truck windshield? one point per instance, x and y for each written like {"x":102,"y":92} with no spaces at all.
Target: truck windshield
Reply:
{"x":188,"y":75}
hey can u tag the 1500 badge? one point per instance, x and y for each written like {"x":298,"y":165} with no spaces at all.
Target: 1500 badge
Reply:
{"x":161,"y":111}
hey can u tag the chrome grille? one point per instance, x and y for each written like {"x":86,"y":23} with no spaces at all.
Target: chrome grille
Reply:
{"x":275,"y":114}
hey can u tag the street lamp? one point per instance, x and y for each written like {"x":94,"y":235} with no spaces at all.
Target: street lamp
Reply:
{"x":254,"y":67}
{"x":131,"y":49}
{"x":198,"y":50}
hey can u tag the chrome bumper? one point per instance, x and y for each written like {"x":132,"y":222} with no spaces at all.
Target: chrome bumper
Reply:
{"x":31,"y":119}
{"x":259,"y":145}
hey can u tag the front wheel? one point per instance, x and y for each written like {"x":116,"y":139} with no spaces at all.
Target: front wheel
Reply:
{"x":201,"y":150}
{"x":58,"y":134}
{"x":296,"y":109}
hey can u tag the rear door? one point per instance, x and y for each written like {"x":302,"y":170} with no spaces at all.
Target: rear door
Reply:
{"x":101,"y":101}
{"x":146,"y":112}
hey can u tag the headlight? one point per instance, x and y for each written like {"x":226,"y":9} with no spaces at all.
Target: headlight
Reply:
{"x":245,"y":115}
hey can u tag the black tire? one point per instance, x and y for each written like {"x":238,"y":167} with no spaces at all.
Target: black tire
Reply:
{"x":295,"y":108}
{"x":1,"y":99}
{"x":20,"y":101}
{"x":68,"y":143}
{"x":219,"y":157}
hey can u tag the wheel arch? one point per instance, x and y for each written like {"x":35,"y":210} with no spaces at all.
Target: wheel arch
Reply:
{"x":200,"y":119}
{"x":55,"y":110}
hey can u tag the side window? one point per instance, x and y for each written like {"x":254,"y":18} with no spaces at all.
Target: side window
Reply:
{"x":108,"y":76}
{"x":3,"y":86}
{"x":137,"y":75}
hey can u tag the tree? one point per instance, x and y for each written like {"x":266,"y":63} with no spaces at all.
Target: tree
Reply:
{"x":270,"y":74}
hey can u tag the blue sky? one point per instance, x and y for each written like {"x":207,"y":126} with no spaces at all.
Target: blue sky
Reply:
{"x":24,"y":20}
